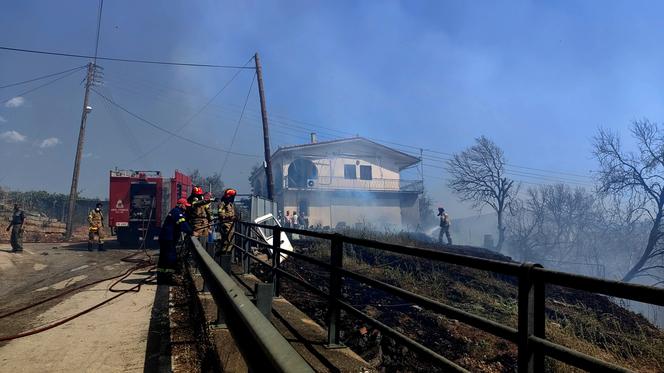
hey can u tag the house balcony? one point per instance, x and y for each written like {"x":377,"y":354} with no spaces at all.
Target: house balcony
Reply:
{"x":373,"y":185}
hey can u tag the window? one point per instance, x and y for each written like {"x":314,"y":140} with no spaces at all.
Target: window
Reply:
{"x":349,"y":171}
{"x":300,"y":172}
{"x":365,"y":172}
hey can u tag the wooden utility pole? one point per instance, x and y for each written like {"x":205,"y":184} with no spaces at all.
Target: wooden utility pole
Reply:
{"x":73,"y":192}
{"x":266,"y":133}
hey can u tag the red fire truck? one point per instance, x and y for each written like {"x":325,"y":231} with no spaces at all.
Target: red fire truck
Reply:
{"x":139,"y":201}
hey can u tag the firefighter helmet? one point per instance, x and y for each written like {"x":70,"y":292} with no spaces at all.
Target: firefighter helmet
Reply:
{"x":197,"y":191}
{"x":184,"y":202}
{"x":230,"y":192}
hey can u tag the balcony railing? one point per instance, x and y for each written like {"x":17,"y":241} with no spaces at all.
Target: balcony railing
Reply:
{"x":340,"y":183}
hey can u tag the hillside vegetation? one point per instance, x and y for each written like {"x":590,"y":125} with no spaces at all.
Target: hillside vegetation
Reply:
{"x":589,"y":323}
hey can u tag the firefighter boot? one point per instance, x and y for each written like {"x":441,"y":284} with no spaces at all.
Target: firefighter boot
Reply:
{"x":101,"y":247}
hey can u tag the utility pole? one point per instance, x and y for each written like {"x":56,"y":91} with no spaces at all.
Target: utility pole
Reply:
{"x":266,"y":133}
{"x":73,"y":192}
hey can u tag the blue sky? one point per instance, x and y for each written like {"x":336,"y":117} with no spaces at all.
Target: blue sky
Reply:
{"x":537,"y":77}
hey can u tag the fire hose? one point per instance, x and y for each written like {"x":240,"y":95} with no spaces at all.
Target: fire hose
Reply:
{"x":140,"y":264}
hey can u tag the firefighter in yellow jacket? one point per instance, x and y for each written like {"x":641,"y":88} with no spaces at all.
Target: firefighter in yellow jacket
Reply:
{"x":96,"y":228}
{"x":227,"y":217}
{"x":198,"y":213}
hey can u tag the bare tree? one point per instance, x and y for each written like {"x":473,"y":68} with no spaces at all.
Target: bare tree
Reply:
{"x":639,"y":175}
{"x":626,"y":226}
{"x":560,"y":225}
{"x":478,"y":176}
{"x":524,"y":228}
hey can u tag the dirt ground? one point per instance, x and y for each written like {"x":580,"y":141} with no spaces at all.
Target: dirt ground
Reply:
{"x":112,"y":338}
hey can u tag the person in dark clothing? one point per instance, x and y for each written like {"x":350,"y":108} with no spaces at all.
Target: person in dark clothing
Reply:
{"x":16,"y":225}
{"x":175,"y":223}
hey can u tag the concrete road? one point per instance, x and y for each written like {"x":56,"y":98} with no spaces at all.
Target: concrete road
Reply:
{"x":112,"y":338}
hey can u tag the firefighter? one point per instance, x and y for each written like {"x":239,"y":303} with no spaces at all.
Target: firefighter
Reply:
{"x":227,"y":218}
{"x":16,"y":225}
{"x":199,"y":212}
{"x":96,"y":228}
{"x":444,"y":226}
{"x":169,"y":236}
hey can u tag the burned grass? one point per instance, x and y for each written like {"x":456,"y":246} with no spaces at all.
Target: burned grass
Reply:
{"x":589,"y":323}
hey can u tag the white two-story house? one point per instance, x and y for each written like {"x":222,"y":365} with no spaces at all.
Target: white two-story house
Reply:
{"x":347,"y":181}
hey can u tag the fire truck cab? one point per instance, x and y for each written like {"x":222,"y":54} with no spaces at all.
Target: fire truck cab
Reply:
{"x":139,"y":201}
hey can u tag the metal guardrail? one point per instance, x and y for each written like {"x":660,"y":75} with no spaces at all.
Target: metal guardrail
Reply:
{"x":262,"y":346}
{"x":529,"y":335}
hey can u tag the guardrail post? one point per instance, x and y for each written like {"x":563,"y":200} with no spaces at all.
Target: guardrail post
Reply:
{"x":207,"y":246}
{"x":263,"y":297}
{"x":540,"y":320}
{"x":220,"y":322}
{"x":276,"y":258}
{"x":334,"y":310}
{"x":530,"y":319}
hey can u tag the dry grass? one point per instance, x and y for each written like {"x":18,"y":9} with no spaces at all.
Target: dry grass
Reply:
{"x":587,"y":323}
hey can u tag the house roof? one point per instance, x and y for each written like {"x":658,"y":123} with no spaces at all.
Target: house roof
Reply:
{"x":403,"y":159}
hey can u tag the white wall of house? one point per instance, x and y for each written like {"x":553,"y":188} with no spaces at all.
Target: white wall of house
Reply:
{"x":334,"y":197}
{"x":331,"y":208}
{"x":331,"y":171}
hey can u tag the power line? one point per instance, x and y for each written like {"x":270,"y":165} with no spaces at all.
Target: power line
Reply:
{"x":129,"y":60}
{"x":156,"y":126}
{"x":543,"y":180}
{"x":449,"y":155}
{"x":510,"y":169}
{"x":225,"y":109}
{"x":190,"y":120}
{"x":315,"y":127}
{"x":246,"y":100}
{"x":292,"y":128}
{"x":117,"y":117}
{"x":519,"y":173}
{"x":42,"y":77}
{"x":101,"y":6}
{"x":39,"y":86}
{"x":289,"y":122}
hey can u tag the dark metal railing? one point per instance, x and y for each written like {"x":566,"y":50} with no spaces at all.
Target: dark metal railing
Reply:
{"x":529,"y":336}
{"x":264,"y":349}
